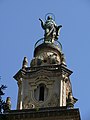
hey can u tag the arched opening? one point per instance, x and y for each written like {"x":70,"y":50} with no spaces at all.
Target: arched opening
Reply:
{"x":41,"y":92}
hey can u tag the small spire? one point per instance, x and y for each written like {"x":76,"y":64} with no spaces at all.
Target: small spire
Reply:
{"x":63,"y":60}
{"x":25,"y":63}
{"x":8,"y":103}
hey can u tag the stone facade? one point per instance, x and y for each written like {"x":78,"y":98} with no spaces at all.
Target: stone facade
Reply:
{"x":53,"y":82}
{"x":46,"y":82}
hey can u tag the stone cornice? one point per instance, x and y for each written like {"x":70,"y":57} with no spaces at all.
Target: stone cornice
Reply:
{"x":58,"y":112}
{"x":58,"y":69}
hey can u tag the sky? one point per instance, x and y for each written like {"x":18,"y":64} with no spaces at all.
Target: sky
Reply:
{"x":20,"y":29}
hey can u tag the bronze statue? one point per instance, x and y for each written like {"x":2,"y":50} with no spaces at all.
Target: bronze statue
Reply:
{"x":51,"y":29}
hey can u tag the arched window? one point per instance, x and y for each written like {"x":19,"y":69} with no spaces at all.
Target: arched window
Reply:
{"x":41,"y":92}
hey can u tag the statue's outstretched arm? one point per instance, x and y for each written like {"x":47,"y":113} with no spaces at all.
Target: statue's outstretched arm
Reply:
{"x":59,"y":26}
{"x":58,"y":30}
{"x":40,"y":19}
{"x":42,"y":23}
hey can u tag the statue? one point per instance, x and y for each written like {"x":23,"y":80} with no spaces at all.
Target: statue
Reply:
{"x":71,"y":100}
{"x":8,"y":103}
{"x":51,"y":29}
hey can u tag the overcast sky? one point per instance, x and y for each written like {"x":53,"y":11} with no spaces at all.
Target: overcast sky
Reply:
{"x":20,"y":29}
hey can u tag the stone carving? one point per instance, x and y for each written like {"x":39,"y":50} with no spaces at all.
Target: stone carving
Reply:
{"x":71,"y":100}
{"x":8,"y":102}
{"x":45,"y":59}
{"x":68,"y":87}
{"x":36,"y":62}
{"x":25,"y":62}
{"x":69,"y":97}
{"x":51,"y":29}
{"x":27,"y":104}
{"x":63,"y":60}
{"x":53,"y":59}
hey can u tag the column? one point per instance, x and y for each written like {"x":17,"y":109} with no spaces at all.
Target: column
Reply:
{"x":19,"y":101}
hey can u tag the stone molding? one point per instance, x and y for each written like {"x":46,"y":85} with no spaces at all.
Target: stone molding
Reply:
{"x":54,"y":113}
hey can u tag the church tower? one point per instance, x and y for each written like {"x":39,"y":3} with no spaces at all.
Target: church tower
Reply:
{"x":45,"y":84}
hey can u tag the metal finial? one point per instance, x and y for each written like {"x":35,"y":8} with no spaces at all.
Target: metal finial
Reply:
{"x":25,"y":62}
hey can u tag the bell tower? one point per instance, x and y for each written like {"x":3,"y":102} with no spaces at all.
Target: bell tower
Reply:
{"x":44,"y":87}
{"x":46,"y":82}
